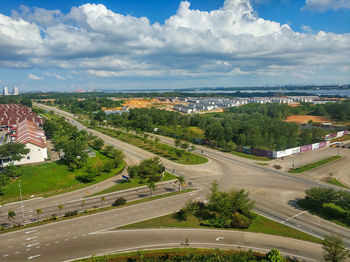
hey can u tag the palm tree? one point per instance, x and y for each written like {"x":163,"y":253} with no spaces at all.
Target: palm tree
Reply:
{"x":39,"y":211}
{"x":181,"y":181}
{"x":152,"y":187}
{"x":334,"y":249}
{"x":102,"y":199}
{"x":60,"y":207}
{"x":11,"y":215}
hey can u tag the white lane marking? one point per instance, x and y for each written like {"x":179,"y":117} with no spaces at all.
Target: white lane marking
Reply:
{"x":293,"y":217}
{"x":6,"y":255}
{"x":66,"y":239}
{"x":32,"y":231}
{"x":17,"y":252}
{"x":219,"y":238}
{"x":31,"y":245}
{"x":56,"y":242}
{"x":31,"y":257}
{"x":29,"y":238}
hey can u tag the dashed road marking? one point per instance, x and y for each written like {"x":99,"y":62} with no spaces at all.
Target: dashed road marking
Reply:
{"x":31,"y":257}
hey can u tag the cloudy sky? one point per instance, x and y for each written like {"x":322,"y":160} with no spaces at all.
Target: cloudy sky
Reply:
{"x":137,"y":44}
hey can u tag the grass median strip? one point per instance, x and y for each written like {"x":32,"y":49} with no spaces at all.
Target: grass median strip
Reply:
{"x":260,"y":225}
{"x":315,"y":164}
{"x":94,"y":211}
{"x":177,"y":155}
{"x":335,"y":182}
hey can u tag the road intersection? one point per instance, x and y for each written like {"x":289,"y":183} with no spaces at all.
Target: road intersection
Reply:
{"x":275,"y":193}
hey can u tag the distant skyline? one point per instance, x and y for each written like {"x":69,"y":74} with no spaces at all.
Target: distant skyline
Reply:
{"x":68,"y":45}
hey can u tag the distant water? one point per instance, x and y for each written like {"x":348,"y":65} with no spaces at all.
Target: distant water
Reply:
{"x":340,"y":92}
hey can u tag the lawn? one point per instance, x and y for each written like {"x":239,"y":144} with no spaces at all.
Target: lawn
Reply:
{"x":260,"y":225}
{"x":315,"y":164}
{"x":132,"y":182}
{"x":52,"y":178}
{"x":159,"y":149}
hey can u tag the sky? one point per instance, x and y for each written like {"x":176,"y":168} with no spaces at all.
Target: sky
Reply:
{"x":153,"y":44}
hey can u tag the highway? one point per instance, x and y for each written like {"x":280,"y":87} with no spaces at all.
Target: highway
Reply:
{"x":275,"y":193}
{"x":95,"y":234}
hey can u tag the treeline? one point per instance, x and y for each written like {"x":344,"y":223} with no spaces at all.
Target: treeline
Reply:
{"x":19,"y":99}
{"x":338,"y":111}
{"x":249,"y":126}
{"x":88,"y":105}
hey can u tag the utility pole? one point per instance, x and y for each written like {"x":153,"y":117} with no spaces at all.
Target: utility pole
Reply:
{"x":20,"y":194}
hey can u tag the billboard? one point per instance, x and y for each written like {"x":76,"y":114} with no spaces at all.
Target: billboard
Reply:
{"x":315,"y":146}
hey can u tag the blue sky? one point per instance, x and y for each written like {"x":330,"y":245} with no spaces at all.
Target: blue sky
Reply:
{"x":139,"y":44}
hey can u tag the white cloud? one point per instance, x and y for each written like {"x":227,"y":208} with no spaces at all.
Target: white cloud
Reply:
{"x":34,"y":77}
{"x":230,"y":41}
{"x":306,"y":28}
{"x":323,"y":5}
{"x":57,"y":76}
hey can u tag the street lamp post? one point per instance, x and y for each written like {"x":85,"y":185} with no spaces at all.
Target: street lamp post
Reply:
{"x":20,"y":194}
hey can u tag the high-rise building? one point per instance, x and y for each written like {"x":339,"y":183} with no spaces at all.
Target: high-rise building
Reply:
{"x":15,"y":90}
{"x":5,"y":91}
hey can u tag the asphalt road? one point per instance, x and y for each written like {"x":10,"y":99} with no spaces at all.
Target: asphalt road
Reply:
{"x":95,"y":234}
{"x":274,"y":192}
{"x":82,"y":204}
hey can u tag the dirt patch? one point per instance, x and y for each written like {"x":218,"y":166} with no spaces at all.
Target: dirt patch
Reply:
{"x":146,"y":103}
{"x":304,"y":119}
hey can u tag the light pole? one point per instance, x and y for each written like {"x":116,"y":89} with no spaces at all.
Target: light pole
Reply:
{"x":20,"y":194}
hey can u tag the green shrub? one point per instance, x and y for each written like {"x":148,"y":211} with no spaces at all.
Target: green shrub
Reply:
{"x":119,"y":201}
{"x":71,"y":213}
{"x":240,"y":221}
{"x":274,"y":256}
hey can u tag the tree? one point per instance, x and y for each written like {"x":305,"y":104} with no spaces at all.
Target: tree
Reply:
{"x":152,"y":187}
{"x":97,"y":143}
{"x":13,"y":151}
{"x":11,"y":171}
{"x":11,"y":215}
{"x":181,"y":181}
{"x":178,"y":153}
{"x":151,"y":169}
{"x":274,"y":256}
{"x":39,"y":211}
{"x":133,"y":171}
{"x":60,"y":208}
{"x":334,"y":249}
{"x":177,"y":142}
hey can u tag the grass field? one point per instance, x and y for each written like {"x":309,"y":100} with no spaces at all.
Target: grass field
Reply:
{"x":314,"y":165}
{"x":52,"y":178}
{"x":259,"y":225}
{"x":159,"y":149}
{"x":132,"y":182}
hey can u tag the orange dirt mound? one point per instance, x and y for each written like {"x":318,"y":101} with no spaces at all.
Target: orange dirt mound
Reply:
{"x":304,"y":119}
